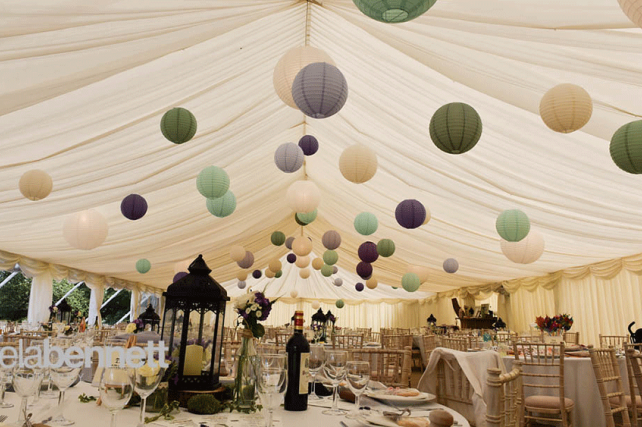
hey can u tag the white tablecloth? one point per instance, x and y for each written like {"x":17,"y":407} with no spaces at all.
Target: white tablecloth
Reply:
{"x":580,"y":385}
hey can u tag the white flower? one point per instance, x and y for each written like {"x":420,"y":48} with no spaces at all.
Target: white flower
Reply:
{"x":248,"y":311}
{"x":255,"y":307}
{"x":259,"y":313}
{"x":243,"y":301}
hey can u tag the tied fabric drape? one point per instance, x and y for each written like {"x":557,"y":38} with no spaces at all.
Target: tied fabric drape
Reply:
{"x":95,"y":301}
{"x":134,"y":305}
{"x":40,"y":297}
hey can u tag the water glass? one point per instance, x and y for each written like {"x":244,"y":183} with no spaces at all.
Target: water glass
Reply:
{"x":5,"y":378}
{"x":147,"y":379}
{"x":63,"y":377}
{"x":317,"y":357}
{"x":334,"y":368}
{"x":358,"y":376}
{"x":271,"y":374}
{"x":116,"y":388}
{"x":26,"y":383}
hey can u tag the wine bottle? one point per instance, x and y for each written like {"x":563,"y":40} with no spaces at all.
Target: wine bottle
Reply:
{"x":298,"y":349}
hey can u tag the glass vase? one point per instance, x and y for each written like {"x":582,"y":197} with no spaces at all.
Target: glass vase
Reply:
{"x":158,"y":398}
{"x":245,"y":381}
{"x":555,"y":337}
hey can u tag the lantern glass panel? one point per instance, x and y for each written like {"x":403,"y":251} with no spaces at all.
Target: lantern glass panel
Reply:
{"x":176,"y":335}
{"x":218,"y":324}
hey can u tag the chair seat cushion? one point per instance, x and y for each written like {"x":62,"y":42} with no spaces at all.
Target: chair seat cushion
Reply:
{"x":547,"y":402}
{"x":615,"y":401}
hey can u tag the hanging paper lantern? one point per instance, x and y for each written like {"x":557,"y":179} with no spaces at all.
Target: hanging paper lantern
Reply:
{"x":331,"y":239}
{"x":326,"y":270}
{"x":566,"y":108}
{"x":294,"y":294}
{"x":359,"y":287}
{"x":307,"y":218}
{"x":366,"y":223}
{"x":526,"y":251}
{"x":289,"y":157}
{"x":320,"y":90}
{"x":289,"y":66}
{"x":288,"y":242}
{"x":133,"y":207}
{"x":410,"y":213}
{"x":291,"y":258}
{"x":237,"y":253}
{"x":247,"y":260}
{"x":85,"y":230}
{"x":241,"y":284}
{"x":316,"y":305}
{"x":358,"y":163}
{"x":277,"y":238}
{"x":302,"y":246}
{"x":257,"y":274}
{"x":368,"y":252}
{"x":330,"y":257}
{"x":309,"y":145}
{"x":304,"y":273}
{"x":421,"y":272}
{"x":184,"y":265}
{"x":317,"y":263}
{"x":278,"y":274}
{"x":241,"y":275}
{"x":455,"y":128}
{"x":451,"y":265}
{"x":633,"y":10}
{"x":339,"y":303}
{"x":428,"y":216}
{"x":298,"y":221}
{"x":335,"y":269}
{"x":275,"y":265}
{"x":338,"y":282}
{"x":303,"y":196}
{"x":213,"y":182}
{"x":178,"y":276}
{"x":626,"y":147}
{"x":269,"y":273}
{"x":372,"y":283}
{"x":223,"y":206}
{"x":143,"y":266}
{"x":385,"y":247}
{"x":394,"y":11}
{"x":35,"y":184}
{"x":302,"y":261}
{"x":513,"y":225}
{"x":178,"y":125}
{"x":410,"y":282}
{"x":364,"y":270}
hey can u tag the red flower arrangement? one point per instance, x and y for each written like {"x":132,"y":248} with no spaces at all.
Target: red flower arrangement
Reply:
{"x":555,"y":323}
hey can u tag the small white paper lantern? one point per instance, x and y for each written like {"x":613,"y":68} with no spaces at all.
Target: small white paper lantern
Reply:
{"x":633,"y":10}
{"x":358,"y":163}
{"x":422,"y":272}
{"x":294,"y":294}
{"x":302,"y":261}
{"x":269,"y":273}
{"x":304,"y":273}
{"x":241,"y":284}
{"x":428,"y":215}
{"x":289,"y":157}
{"x":316,"y":305}
{"x":237,"y":253}
{"x":35,"y":184}
{"x":85,"y":230}
{"x":302,"y":246}
{"x":303,"y":196}
{"x":338,"y":281}
{"x":566,"y":108}
{"x":526,"y":251}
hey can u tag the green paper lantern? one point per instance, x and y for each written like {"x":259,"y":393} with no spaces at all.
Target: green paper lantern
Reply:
{"x":513,"y":225}
{"x":178,"y":125}
{"x":339,"y":303}
{"x":330,"y":257}
{"x":394,"y":11}
{"x":366,"y":223}
{"x":213,"y":182}
{"x":278,"y":274}
{"x":385,"y":247}
{"x":327,"y":270}
{"x":278,"y":238}
{"x":455,"y":128}
{"x":143,"y":266}
{"x":410,"y":282}
{"x":223,"y":206}
{"x":626,"y":147}
{"x":307,"y":218}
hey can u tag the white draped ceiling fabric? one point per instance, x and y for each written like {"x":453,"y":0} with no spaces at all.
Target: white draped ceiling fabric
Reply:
{"x":83,"y":87}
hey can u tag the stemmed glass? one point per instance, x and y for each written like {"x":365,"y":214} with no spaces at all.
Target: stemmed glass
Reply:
{"x":5,"y":378}
{"x":147,"y":379}
{"x":25,"y":382}
{"x":358,"y":375}
{"x":63,"y":376}
{"x":116,"y":388}
{"x":317,"y":352}
{"x":271,"y":381}
{"x":334,"y":369}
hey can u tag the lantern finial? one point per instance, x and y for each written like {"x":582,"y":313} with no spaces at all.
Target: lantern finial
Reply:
{"x":199,"y":267}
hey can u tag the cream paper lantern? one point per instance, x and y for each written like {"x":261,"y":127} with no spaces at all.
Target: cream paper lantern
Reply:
{"x":289,"y":66}
{"x":302,"y":246}
{"x":633,"y":10}
{"x":566,"y":108}
{"x":237,"y":253}
{"x":303,"y":196}
{"x":275,"y":265}
{"x":302,"y":261}
{"x":422,"y":272}
{"x":294,"y":294}
{"x":269,"y":273}
{"x":372,"y":283}
{"x":35,"y":184}
{"x":241,"y":275}
{"x":316,"y":305}
{"x":85,"y":229}
{"x":526,"y":251}
{"x":428,"y":215}
{"x":183,"y":266}
{"x":304,"y":273}
{"x":358,"y":163}
{"x":317,"y":263}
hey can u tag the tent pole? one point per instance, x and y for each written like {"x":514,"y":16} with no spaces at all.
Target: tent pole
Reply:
{"x":111,"y":298}
{"x":5,"y":281}
{"x":69,"y":292}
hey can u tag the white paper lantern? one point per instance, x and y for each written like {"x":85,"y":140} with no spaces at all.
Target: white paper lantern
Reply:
{"x":358,"y":163}
{"x":527,"y":250}
{"x":316,"y":305}
{"x":35,"y":184}
{"x":304,"y":273}
{"x":633,"y":10}
{"x":237,"y":253}
{"x":320,"y":90}
{"x":241,"y":284}
{"x":294,"y":294}
{"x":289,"y":66}
{"x":269,"y":273}
{"x":422,"y":272}
{"x":302,"y":261}
{"x":301,"y":246}
{"x":338,"y":281}
{"x":566,"y":108}
{"x":428,"y":215}
{"x":275,"y":265}
{"x":303,"y":196}
{"x":289,"y":157}
{"x":241,"y":275}
{"x":85,"y":230}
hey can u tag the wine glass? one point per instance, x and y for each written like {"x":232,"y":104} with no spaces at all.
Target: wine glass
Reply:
{"x":63,"y":376}
{"x":147,"y":379}
{"x":5,"y":378}
{"x":317,"y":352}
{"x":358,"y":375}
{"x":334,"y":369}
{"x":25,"y":383}
{"x":116,"y":388}
{"x":271,"y":381}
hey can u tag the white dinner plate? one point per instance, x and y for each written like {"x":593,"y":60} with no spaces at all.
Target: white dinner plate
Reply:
{"x":407,"y":400}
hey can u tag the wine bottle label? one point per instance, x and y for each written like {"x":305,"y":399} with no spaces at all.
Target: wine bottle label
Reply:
{"x":305,"y":373}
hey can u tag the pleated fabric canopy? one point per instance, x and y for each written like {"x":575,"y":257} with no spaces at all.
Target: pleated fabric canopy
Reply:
{"x":84,"y":86}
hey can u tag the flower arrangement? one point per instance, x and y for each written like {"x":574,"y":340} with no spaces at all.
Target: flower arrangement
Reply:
{"x":253,"y":308}
{"x":135,"y":327}
{"x":53,"y":310}
{"x":555,"y":323}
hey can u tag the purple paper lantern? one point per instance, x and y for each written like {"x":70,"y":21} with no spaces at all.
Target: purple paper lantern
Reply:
{"x":241,"y":284}
{"x":335,"y":269}
{"x":291,"y":258}
{"x":256,"y":274}
{"x":364,"y":270}
{"x":451,"y":265}
{"x":309,"y":145}
{"x":247,"y":261}
{"x":359,"y":287}
{"x":368,"y":252}
{"x":410,"y":213}
{"x":133,"y":207}
{"x":178,"y":276}
{"x":289,"y":240}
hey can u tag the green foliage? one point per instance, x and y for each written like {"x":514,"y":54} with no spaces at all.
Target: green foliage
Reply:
{"x":165,"y":412}
{"x":117,"y":308}
{"x":78,"y":299}
{"x":204,"y":404}
{"x":83,"y":398}
{"x":14,"y":297}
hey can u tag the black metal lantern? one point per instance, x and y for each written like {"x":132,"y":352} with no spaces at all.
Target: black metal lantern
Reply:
{"x":318,"y":325}
{"x":149,"y":317}
{"x":64,"y":312}
{"x":432,"y":321}
{"x":193,"y":328}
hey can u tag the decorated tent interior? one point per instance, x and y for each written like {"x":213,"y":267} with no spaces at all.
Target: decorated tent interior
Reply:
{"x":492,"y":146}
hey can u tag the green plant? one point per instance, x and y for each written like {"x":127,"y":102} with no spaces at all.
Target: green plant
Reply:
{"x":204,"y":404}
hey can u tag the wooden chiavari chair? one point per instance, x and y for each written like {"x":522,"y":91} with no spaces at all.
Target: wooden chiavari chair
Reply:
{"x":615,"y":341}
{"x":397,"y":342}
{"x":504,"y":337}
{"x":282,"y":339}
{"x":504,"y":397}
{"x":453,"y":388}
{"x":607,"y":370}
{"x":347,"y":342}
{"x":430,"y":343}
{"x":634,"y":373}
{"x":459,"y":344}
{"x":390,"y":367}
{"x":571,"y":338}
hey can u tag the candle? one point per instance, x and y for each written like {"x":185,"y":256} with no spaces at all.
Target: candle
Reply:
{"x":193,"y":360}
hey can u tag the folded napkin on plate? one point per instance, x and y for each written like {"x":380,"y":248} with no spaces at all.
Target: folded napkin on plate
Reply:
{"x":583,"y":353}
